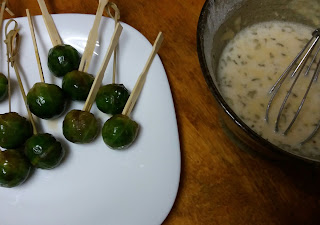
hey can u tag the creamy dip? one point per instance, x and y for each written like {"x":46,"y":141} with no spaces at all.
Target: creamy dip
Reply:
{"x":250,"y":64}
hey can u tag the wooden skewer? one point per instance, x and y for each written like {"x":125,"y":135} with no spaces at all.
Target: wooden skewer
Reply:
{"x":9,"y":84}
{"x":9,"y":11}
{"x":8,"y":43}
{"x":35,"y":45}
{"x":116,"y":18}
{"x":8,"y":66}
{"x":3,"y":6}
{"x":142,"y":78}
{"x":92,"y":38}
{"x":51,"y":27}
{"x":97,"y":81}
{"x":13,"y":41}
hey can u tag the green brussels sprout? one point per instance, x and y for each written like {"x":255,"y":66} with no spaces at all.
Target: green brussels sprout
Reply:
{"x":3,"y":86}
{"x":46,"y":100}
{"x":112,"y":98}
{"x":77,"y":85}
{"x":14,"y":130}
{"x":44,"y":151}
{"x":14,"y":168}
{"x":119,"y":131}
{"x":63,"y":59}
{"x":80,"y":126}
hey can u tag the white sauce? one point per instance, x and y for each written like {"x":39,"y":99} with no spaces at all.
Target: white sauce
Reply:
{"x":249,"y":66}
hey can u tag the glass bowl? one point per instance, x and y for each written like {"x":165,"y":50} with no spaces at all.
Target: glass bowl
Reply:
{"x":217,"y":18}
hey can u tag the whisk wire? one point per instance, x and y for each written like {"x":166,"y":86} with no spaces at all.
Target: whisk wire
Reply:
{"x":308,"y":49}
{"x":316,"y":74}
{"x":275,"y":88}
{"x":297,"y":72}
{"x":314,"y":78}
{"x":287,"y":70}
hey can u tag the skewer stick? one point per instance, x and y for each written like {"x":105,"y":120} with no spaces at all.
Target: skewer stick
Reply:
{"x":51,"y":27}
{"x":116,"y":18}
{"x":8,"y":63}
{"x":9,"y":50}
{"x":92,"y":38}
{"x":35,"y":45}
{"x":9,"y":11}
{"x":3,"y":6}
{"x":13,"y":41}
{"x":142,"y":78}
{"x":6,"y":8}
{"x":97,"y":81}
{"x":9,"y":84}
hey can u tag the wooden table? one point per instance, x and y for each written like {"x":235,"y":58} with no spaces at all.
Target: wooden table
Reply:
{"x":220,"y":184}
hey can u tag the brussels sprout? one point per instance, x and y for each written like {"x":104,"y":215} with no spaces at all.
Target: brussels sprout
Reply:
{"x":112,"y":98}
{"x":80,"y":126}
{"x":14,"y":168}
{"x":46,"y":100}
{"x":14,"y":130}
{"x":44,"y":151}
{"x":63,"y":59}
{"x":119,"y":131}
{"x":3,"y":86}
{"x":77,"y":84}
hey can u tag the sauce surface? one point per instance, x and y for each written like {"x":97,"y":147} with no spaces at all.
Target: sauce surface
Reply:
{"x":250,"y":65}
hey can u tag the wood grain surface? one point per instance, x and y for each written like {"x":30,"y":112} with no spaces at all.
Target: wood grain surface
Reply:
{"x":220,"y":184}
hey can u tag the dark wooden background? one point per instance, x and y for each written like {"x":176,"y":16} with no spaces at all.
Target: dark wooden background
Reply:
{"x":220,"y":184}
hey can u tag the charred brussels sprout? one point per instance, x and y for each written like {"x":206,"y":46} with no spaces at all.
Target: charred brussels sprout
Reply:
{"x":63,"y":59}
{"x":44,"y":151}
{"x":14,"y":130}
{"x":46,"y":100}
{"x":80,"y":126}
{"x":77,"y":84}
{"x":112,"y":98}
{"x":3,"y":86}
{"x":119,"y":131}
{"x":14,"y":168}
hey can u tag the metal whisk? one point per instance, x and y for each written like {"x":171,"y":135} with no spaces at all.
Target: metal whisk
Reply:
{"x":295,"y":68}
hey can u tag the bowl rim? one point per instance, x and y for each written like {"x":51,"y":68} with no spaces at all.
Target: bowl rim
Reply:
{"x":218,"y":97}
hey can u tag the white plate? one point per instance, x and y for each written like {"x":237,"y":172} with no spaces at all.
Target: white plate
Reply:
{"x":96,"y":185}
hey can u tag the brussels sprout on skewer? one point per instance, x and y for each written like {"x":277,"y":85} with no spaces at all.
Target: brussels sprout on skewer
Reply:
{"x":42,"y":150}
{"x":77,"y":83}
{"x":111,"y":98}
{"x":61,"y":58}
{"x":81,"y":126}
{"x":14,"y":168}
{"x":120,"y":131}
{"x":44,"y":100}
{"x":14,"y":129}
